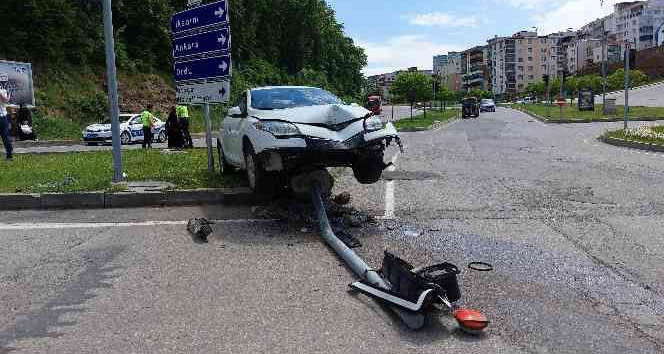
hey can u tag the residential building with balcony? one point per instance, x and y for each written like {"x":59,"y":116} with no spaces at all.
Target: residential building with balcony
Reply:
{"x":476,"y":74}
{"x":637,"y":22}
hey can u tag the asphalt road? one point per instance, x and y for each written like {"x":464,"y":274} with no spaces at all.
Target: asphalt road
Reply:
{"x":573,"y":228}
{"x":650,"y":96}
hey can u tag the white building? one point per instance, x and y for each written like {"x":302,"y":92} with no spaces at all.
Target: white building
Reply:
{"x":637,"y":22}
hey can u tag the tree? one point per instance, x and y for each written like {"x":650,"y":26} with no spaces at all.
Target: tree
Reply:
{"x":444,"y":95}
{"x":413,"y":87}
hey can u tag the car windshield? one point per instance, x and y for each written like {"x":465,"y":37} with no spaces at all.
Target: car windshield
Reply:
{"x":281,"y":98}
{"x":487,"y":101}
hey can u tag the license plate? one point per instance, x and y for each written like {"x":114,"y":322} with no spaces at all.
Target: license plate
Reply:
{"x":91,"y":135}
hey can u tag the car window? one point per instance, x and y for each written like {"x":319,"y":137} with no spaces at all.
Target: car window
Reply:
{"x":286,"y":97}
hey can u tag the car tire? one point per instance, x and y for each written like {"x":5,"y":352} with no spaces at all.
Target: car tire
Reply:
{"x":125,"y":138}
{"x":163,"y":137}
{"x":369,"y":168}
{"x":224,"y":166}
{"x":256,"y":175}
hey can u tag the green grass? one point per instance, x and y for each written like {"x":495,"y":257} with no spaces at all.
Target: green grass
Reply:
{"x":572,"y":112}
{"x":48,"y":128}
{"x":92,"y":171}
{"x":621,"y":134}
{"x":420,"y":122}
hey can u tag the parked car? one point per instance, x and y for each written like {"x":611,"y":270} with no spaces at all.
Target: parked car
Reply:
{"x":487,"y":105}
{"x":470,"y":107}
{"x":275,"y":133}
{"x":131,"y":131}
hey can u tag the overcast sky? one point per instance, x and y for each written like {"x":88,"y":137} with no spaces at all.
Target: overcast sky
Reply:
{"x":401,"y":33}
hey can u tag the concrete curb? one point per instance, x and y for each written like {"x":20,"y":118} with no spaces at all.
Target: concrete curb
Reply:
{"x":631,"y":144}
{"x":572,"y":121}
{"x":434,"y":126}
{"x":102,"y":200}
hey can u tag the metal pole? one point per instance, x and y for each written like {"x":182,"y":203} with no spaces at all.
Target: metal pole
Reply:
{"x":208,"y":137}
{"x":357,"y":264}
{"x":562,"y":93}
{"x":627,"y":50}
{"x":604,"y":62}
{"x":111,"y":77}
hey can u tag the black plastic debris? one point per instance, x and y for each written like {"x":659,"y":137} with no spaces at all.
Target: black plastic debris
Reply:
{"x":199,"y":228}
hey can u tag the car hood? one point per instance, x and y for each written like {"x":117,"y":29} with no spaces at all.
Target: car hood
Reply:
{"x":98,"y":126}
{"x":328,"y":114}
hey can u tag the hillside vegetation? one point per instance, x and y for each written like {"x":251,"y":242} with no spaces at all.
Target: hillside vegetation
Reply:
{"x":274,"y":42}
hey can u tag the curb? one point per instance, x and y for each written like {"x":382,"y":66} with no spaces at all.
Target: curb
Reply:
{"x":103,"y":200}
{"x":632,"y":144}
{"x":435,"y":126}
{"x":571,"y":121}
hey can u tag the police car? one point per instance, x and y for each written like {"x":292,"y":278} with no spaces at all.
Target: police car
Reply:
{"x":131,"y":130}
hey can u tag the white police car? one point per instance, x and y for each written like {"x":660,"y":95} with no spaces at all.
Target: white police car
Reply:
{"x":131,"y":131}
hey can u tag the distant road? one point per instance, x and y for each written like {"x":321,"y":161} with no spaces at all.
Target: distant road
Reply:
{"x":400,"y":112}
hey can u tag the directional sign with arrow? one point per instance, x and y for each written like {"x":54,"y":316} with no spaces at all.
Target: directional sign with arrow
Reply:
{"x":206,"y":92}
{"x":203,"y":16}
{"x":205,"y":68}
{"x":214,"y":41}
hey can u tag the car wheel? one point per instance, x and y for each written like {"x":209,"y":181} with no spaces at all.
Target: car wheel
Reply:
{"x":369,"y":168}
{"x":163,"y":137}
{"x":125,"y":138}
{"x":256,"y":175}
{"x":224,"y":166}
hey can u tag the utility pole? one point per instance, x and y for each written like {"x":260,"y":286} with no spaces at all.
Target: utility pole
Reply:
{"x":627,"y":55}
{"x":111,"y":77}
{"x":604,"y":64}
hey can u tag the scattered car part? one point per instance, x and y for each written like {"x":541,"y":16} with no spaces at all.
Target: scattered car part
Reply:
{"x":480,"y":266}
{"x":411,"y":295}
{"x":200,"y":228}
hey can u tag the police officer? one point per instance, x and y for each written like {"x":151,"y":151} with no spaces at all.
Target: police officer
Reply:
{"x":183,"y":114}
{"x":147,"y":119}
{"x":5,"y":123}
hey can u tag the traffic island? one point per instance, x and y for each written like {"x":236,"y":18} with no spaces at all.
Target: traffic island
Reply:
{"x":642,"y":138}
{"x":551,"y":114}
{"x":433,"y":120}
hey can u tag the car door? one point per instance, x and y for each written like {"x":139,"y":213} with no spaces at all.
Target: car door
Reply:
{"x":231,"y":131}
{"x":136,"y":128}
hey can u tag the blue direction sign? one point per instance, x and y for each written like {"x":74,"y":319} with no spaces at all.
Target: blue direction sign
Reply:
{"x":215,"y":13}
{"x":206,"y":42}
{"x":205,"y":68}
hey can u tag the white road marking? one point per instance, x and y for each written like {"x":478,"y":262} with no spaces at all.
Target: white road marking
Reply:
{"x":100,"y":225}
{"x":389,"y":191}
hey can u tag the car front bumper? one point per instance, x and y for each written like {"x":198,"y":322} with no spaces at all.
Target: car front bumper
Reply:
{"x":97,"y":136}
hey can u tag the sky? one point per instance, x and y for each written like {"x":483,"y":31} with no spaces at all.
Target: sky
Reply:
{"x":397,"y":34}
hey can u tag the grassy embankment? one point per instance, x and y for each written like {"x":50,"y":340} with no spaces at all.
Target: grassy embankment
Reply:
{"x":420,"y":122}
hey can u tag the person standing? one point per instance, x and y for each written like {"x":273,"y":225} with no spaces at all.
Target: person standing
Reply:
{"x":5,"y":123}
{"x":148,"y":119}
{"x":183,"y":114}
{"x":25,"y":129}
{"x":173,"y":130}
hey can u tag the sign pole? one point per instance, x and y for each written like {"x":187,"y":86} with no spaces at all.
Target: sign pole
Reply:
{"x":208,"y":137}
{"x":112,"y":90}
{"x":627,"y":54}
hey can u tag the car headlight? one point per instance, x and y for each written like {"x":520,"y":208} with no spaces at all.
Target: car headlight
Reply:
{"x":277,"y":128}
{"x":373,"y":123}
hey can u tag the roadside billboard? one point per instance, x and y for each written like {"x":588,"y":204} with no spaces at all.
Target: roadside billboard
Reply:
{"x":17,"y":79}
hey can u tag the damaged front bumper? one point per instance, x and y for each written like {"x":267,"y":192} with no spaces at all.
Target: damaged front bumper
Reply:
{"x":316,"y":152}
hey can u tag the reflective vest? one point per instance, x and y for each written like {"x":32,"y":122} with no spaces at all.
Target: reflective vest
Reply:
{"x":147,"y":119}
{"x":182,"y":111}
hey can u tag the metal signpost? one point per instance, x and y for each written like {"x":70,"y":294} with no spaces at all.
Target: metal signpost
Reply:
{"x":112,"y":91}
{"x":627,"y":54}
{"x":201,"y":59}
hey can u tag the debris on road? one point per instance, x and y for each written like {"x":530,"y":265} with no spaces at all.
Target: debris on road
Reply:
{"x":199,"y":228}
{"x":342,"y":198}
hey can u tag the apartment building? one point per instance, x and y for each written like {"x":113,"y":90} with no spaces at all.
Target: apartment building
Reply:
{"x":475,"y":68}
{"x":637,"y":22}
{"x":439,"y":61}
{"x":517,"y":61}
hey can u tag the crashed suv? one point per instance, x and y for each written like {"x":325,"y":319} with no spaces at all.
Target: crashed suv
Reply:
{"x":275,"y":133}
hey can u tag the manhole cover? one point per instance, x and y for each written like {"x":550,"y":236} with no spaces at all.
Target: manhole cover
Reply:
{"x":410,"y":175}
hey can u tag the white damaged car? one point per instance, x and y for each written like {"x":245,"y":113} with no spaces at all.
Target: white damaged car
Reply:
{"x":276,"y":132}
{"x":131,"y":131}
